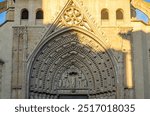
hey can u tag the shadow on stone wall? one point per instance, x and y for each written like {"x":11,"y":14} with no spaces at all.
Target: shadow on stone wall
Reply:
{"x":71,"y":62}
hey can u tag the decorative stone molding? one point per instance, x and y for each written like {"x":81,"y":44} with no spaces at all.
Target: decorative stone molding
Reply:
{"x":78,"y":61}
{"x":125,"y":30}
{"x":75,"y":40}
{"x":75,"y":14}
{"x":71,"y":15}
{"x":18,"y":31}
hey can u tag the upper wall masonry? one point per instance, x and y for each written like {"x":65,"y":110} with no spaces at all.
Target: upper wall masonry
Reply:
{"x":51,"y":9}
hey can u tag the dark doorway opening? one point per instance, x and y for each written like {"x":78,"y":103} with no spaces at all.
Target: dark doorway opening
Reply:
{"x":72,"y":97}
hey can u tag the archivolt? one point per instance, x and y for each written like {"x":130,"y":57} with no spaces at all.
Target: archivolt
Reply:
{"x":72,"y":58}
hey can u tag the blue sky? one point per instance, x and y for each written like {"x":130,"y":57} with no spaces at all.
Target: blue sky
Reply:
{"x":140,"y":15}
{"x":2,"y":15}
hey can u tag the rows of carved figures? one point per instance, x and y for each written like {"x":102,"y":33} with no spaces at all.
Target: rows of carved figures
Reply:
{"x":72,"y":63}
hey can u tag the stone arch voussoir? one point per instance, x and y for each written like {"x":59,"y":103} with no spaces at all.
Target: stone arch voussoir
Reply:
{"x":74,"y":55}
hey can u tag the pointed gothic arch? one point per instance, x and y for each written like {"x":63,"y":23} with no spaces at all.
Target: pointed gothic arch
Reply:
{"x":53,"y":60}
{"x":72,"y":52}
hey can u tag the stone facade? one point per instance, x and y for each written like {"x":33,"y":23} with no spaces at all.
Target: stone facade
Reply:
{"x":74,"y":48}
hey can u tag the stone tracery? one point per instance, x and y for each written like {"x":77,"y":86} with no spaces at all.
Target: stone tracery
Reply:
{"x":72,"y":16}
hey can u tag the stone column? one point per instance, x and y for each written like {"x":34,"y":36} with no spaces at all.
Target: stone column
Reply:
{"x":126,"y":49}
{"x":25,"y":48}
{"x":128,"y":72}
{"x":19,"y":62}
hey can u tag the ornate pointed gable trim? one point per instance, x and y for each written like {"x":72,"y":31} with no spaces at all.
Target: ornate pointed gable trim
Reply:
{"x":71,"y":15}
{"x":75,"y":15}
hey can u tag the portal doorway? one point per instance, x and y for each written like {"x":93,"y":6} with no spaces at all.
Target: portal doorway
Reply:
{"x":72,"y":65}
{"x":73,"y":97}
